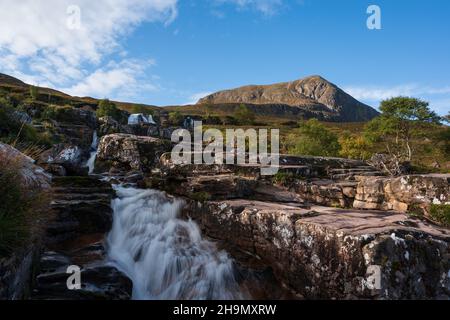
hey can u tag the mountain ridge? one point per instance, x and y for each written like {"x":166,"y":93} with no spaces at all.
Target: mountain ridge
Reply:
{"x":312,"y":93}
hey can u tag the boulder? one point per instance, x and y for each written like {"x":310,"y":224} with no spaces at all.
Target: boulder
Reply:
{"x":64,"y":159}
{"x":333,"y":253}
{"x":129,"y":152}
{"x":33,"y":175}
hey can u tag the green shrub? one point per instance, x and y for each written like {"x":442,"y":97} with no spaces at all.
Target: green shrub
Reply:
{"x":440,"y":213}
{"x":313,"y":139}
{"x":175,"y":118}
{"x":243,"y":115}
{"x":107,"y":108}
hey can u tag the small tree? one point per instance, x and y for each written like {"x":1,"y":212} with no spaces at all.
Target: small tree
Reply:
{"x":244,"y":115}
{"x":314,"y":139}
{"x":107,"y":108}
{"x":34,"y":92}
{"x":402,"y":119}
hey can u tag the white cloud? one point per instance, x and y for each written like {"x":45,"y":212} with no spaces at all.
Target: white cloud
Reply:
{"x":37,"y":45}
{"x":116,"y":80}
{"x":267,"y":7}
{"x":193,"y":99}
{"x":437,"y":96}
{"x":373,"y":93}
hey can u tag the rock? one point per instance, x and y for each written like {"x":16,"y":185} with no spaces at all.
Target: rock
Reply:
{"x":97,"y":283}
{"x":108,"y":125}
{"x":64,"y":159}
{"x":22,"y":117}
{"x":333,"y":253}
{"x":401,"y":193}
{"x":129,"y":152}
{"x":81,"y":205}
{"x":33,"y":175}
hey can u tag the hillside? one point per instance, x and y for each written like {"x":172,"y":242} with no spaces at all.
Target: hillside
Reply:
{"x":311,"y":97}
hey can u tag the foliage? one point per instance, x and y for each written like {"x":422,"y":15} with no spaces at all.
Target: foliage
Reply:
{"x":314,"y":139}
{"x":107,"y":108}
{"x":13,"y":131}
{"x":138,"y":108}
{"x":34,"y":93}
{"x":399,"y":124}
{"x":175,"y":118}
{"x":354,"y":146}
{"x":440,"y":213}
{"x":243,"y":115}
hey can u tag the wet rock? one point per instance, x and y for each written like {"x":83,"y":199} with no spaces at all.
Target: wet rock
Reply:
{"x":333,"y":253}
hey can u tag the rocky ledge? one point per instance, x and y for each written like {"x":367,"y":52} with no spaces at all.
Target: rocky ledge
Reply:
{"x":324,"y":252}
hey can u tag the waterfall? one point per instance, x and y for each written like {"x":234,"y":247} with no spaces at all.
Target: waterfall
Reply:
{"x":91,"y":161}
{"x":164,"y":256}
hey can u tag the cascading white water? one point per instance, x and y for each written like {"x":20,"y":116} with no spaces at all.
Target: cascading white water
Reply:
{"x":91,"y":161}
{"x":164,"y":256}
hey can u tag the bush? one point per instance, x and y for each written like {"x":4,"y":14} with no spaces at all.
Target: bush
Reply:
{"x":441,"y":214}
{"x":19,"y":206}
{"x":313,"y":139}
{"x":243,"y":115}
{"x":107,"y":108}
{"x":175,"y":118}
{"x":354,"y":147}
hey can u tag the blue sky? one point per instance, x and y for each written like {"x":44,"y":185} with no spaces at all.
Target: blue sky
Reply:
{"x":173,"y":52}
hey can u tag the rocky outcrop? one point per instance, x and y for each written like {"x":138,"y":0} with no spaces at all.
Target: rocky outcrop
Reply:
{"x":333,"y":253}
{"x":312,"y":93}
{"x":129,"y":152}
{"x":401,"y":193}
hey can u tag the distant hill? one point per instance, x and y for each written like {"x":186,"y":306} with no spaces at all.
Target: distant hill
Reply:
{"x":310,"y":97}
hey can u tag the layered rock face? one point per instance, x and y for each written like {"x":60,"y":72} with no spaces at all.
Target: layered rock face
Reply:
{"x":129,"y":152}
{"x":401,"y":193}
{"x":333,"y":253}
{"x":312,"y":93}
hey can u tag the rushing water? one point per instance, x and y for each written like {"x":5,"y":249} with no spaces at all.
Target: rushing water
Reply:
{"x":91,"y":161}
{"x":164,"y":256}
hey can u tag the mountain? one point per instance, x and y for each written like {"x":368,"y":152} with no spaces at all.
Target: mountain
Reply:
{"x":309,"y":96}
